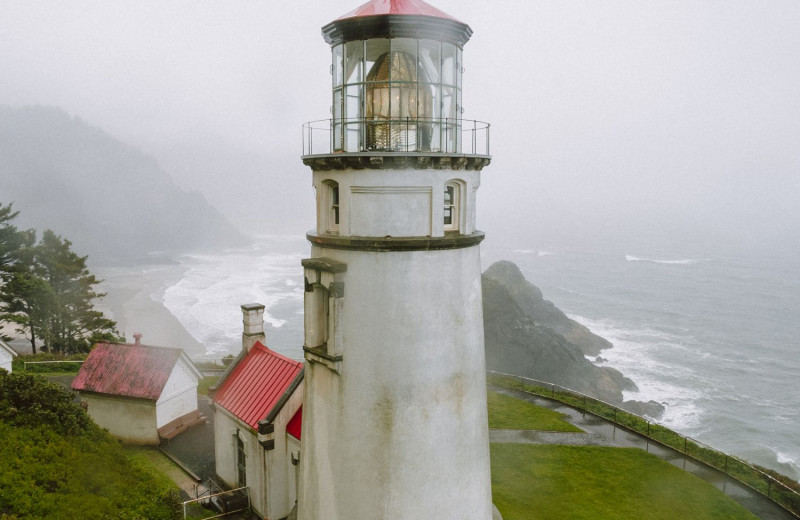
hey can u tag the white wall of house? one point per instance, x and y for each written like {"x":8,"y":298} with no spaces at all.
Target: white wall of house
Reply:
{"x":179,"y":396}
{"x":270,"y":474}
{"x":281,"y":474}
{"x":225,"y":428}
{"x":133,"y":421}
{"x":6,"y":356}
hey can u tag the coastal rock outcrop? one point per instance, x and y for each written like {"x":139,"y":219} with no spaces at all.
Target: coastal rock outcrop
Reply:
{"x":527,"y":335}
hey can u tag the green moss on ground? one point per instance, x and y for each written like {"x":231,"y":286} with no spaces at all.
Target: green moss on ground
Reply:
{"x":506,"y":412}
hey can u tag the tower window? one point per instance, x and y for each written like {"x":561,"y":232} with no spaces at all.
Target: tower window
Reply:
{"x":329,"y":207}
{"x":335,"y":205}
{"x":451,"y":207}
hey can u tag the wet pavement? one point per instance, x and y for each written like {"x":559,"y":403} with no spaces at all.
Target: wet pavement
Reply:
{"x":599,"y":432}
{"x":194,"y":448}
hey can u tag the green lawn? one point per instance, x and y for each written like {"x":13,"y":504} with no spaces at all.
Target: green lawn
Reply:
{"x":206,"y":383}
{"x":590,"y":482}
{"x":506,"y":412}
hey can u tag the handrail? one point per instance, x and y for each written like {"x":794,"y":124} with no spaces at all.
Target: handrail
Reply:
{"x":405,"y":135}
{"x":753,"y":477}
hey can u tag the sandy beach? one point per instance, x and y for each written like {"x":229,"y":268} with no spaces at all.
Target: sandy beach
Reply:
{"x":133,"y":300}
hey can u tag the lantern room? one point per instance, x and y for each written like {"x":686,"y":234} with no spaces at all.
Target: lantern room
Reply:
{"x":396,"y":71}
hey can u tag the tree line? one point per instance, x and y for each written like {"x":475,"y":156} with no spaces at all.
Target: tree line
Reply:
{"x":46,"y":290}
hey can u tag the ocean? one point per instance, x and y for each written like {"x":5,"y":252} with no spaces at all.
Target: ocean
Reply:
{"x":716,"y":338}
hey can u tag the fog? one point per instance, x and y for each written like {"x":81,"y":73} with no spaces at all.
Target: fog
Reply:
{"x":613,"y":122}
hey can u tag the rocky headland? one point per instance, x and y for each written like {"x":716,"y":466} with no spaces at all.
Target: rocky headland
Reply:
{"x":528,"y":336}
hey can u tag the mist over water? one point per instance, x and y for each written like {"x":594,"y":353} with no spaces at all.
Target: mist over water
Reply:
{"x":713,"y":337}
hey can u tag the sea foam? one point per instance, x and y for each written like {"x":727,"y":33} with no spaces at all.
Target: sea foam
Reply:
{"x":208,"y":298}
{"x":683,"y":261}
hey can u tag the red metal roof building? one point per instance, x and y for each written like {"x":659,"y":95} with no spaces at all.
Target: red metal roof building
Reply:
{"x":137,"y":371}
{"x":257,"y":420}
{"x":258,"y":385}
{"x":140,"y":393}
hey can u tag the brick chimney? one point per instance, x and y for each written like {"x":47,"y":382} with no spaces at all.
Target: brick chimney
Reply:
{"x":253,"y":320}
{"x":137,"y":339}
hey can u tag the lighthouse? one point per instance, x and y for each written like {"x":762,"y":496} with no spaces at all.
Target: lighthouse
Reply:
{"x":394,"y":417}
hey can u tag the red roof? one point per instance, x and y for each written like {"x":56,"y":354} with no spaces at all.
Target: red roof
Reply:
{"x":295,"y":426}
{"x":127,"y":370}
{"x":256,"y":384}
{"x":409,"y":7}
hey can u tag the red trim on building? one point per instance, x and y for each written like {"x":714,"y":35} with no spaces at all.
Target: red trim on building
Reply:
{"x":295,"y":425}
{"x":256,"y":384}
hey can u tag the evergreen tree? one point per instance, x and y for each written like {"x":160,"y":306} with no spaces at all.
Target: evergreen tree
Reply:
{"x":9,"y":236}
{"x":74,"y":324}
{"x":47,"y":291}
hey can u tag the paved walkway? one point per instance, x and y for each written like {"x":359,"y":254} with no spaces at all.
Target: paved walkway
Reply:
{"x":600,"y":432}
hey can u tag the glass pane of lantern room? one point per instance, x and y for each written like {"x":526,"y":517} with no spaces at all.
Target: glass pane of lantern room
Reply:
{"x":449,"y":136}
{"x":337,"y":65}
{"x":337,"y":119}
{"x":459,"y":67}
{"x":374,"y":49}
{"x":354,"y":62}
{"x":404,"y":60}
{"x":429,"y":61}
{"x":448,"y":64}
{"x":353,"y":117}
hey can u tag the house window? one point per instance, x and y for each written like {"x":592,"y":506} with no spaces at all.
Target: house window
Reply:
{"x":241,"y":462}
{"x":451,"y":207}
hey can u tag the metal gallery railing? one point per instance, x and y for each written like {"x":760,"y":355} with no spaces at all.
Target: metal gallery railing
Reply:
{"x":779,"y":488}
{"x":403,"y":135}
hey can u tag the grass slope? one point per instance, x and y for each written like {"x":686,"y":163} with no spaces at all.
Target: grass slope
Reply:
{"x":510,"y":413}
{"x":590,"y":482}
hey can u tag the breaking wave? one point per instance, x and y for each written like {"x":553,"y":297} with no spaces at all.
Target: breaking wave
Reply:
{"x":683,"y":261}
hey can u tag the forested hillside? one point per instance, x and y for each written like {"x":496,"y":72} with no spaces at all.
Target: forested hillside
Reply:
{"x":113,"y":201}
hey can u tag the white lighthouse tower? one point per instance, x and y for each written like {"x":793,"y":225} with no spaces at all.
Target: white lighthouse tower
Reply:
{"x":394,"y":419}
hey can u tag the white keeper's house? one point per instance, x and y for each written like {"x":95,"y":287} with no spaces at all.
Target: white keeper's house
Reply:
{"x":7,"y":355}
{"x":257,"y":420}
{"x":140,"y":393}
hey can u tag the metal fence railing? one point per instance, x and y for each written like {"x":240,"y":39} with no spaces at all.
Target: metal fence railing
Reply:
{"x":217,"y":505}
{"x":779,"y":488}
{"x":409,"y":135}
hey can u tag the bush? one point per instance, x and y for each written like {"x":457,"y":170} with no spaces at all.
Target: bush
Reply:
{"x":56,"y":463}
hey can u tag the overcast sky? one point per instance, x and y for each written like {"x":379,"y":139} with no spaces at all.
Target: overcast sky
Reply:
{"x":611,"y":119}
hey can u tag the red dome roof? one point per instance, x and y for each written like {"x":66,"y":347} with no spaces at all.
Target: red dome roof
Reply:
{"x":401,"y":7}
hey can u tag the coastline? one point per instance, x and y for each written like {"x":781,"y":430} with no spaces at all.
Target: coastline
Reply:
{"x":133,"y":300}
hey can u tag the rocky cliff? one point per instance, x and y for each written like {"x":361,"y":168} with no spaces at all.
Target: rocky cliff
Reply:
{"x":527,"y":335}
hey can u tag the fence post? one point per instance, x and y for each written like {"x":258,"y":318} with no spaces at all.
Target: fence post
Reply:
{"x":553,"y":395}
